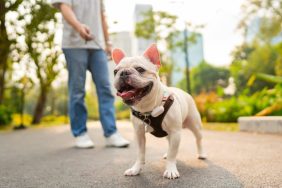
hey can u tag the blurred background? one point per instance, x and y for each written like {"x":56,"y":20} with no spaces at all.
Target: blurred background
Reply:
{"x":227,"y":54}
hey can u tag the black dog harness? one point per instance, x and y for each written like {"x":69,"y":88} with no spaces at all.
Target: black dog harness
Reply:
{"x":155,"y":122}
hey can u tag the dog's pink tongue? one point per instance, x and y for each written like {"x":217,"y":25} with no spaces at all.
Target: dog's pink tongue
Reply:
{"x":126,"y":94}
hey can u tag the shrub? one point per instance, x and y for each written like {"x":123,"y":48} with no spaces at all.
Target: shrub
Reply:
{"x":53,"y":119}
{"x":216,"y":109}
{"x":123,"y":114}
{"x":5,"y":115}
{"x":27,"y":118}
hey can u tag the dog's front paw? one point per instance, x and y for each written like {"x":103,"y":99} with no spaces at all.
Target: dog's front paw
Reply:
{"x":171,"y":172}
{"x":202,"y":156}
{"x":132,"y":171}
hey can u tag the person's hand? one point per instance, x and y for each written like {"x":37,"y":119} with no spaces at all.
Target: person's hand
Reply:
{"x":84,"y":32}
{"x":108,"y":50}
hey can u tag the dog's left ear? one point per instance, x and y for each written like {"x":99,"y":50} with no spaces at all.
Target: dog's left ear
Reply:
{"x":117,"y":55}
{"x":152,"y":53}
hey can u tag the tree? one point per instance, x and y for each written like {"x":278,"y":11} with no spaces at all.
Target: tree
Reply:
{"x":261,"y":59}
{"x":263,"y":53}
{"x":206,"y":78}
{"x":270,"y":12}
{"x":161,"y":27}
{"x":42,"y":50}
{"x":38,"y":54}
{"x":6,"y":6}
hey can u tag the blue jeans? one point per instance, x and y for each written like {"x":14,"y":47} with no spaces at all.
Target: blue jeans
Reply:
{"x":78,"y":62}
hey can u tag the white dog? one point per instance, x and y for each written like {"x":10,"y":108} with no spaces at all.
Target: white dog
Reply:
{"x":156,"y":108}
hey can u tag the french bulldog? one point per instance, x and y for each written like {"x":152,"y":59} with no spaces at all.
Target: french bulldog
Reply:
{"x":137,"y":82}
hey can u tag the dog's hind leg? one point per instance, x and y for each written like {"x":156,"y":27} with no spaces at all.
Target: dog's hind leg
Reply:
{"x":195,"y":126}
{"x":165,"y":155}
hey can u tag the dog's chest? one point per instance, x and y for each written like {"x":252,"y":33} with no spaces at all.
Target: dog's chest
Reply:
{"x":155,"y":122}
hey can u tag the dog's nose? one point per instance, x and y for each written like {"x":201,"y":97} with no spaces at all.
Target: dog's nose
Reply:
{"x":125,"y":74}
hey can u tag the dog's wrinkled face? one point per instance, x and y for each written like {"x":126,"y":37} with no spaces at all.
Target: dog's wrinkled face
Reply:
{"x":135,"y":76}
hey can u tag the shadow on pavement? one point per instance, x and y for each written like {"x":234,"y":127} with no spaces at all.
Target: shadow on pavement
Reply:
{"x":208,"y":175}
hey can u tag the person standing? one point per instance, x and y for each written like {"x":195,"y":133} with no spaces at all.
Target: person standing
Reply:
{"x":85,"y":36}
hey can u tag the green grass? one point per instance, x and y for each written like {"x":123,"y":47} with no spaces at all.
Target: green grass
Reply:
{"x":231,"y":127}
{"x":50,"y":121}
{"x":41,"y":125}
{"x":47,"y":121}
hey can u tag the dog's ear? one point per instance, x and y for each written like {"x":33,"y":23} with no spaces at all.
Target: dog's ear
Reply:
{"x":152,"y":53}
{"x":117,"y":55}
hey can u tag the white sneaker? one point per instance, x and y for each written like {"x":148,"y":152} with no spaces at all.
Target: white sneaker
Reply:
{"x":83,"y":141}
{"x":116,"y":140}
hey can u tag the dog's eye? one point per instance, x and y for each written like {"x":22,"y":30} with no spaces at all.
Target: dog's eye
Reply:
{"x":115,"y":72}
{"x":140,"y":69}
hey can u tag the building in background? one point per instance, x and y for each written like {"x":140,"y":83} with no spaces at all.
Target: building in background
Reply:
{"x":254,"y":28}
{"x":123,"y":40}
{"x":195,"y":54}
{"x":140,"y":44}
{"x":132,"y":46}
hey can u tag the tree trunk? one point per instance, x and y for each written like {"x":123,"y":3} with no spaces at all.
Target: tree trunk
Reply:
{"x":3,"y":68}
{"x":4,"y":50}
{"x":39,"y":109}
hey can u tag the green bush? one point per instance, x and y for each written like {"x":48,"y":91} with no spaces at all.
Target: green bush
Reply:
{"x":27,"y":119}
{"x":123,"y":114}
{"x":5,"y":115}
{"x":230,"y":109}
{"x":53,"y":119}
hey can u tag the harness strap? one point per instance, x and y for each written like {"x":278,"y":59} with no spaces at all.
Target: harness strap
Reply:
{"x":155,"y":122}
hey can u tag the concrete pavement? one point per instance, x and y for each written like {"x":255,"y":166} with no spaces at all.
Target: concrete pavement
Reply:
{"x":45,"y":157}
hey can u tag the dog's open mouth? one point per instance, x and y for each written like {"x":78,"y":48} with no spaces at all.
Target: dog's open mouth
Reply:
{"x":130,"y":94}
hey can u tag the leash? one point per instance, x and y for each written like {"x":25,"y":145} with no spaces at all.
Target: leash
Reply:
{"x":100,"y":47}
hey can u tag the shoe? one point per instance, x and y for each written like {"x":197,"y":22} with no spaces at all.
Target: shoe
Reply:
{"x":83,"y":141}
{"x":116,"y":140}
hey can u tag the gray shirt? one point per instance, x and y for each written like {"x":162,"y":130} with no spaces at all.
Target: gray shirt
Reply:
{"x":87,"y":12}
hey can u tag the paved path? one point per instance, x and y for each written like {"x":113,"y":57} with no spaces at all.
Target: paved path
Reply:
{"x":45,"y":157}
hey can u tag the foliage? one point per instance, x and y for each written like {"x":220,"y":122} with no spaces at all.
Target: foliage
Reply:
{"x":5,"y":115}
{"x":91,"y":101}
{"x":27,"y":35}
{"x":55,"y":120}
{"x":277,"y":106}
{"x":123,"y":114}
{"x":202,"y":100}
{"x":42,"y":50}
{"x":122,"y":110}
{"x":161,"y":27}
{"x":261,"y":52}
{"x":57,"y":102}
{"x":17,"y":119}
{"x":206,"y":78}
{"x":48,"y":119}
{"x":269,"y":78}
{"x":271,"y":13}
{"x":13,"y":98}
{"x":261,"y":59}
{"x":232,"y":127}
{"x":6,"y":7}
{"x":217,"y":109}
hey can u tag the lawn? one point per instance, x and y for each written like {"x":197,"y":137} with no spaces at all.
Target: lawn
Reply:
{"x":49,"y":121}
{"x":231,"y":127}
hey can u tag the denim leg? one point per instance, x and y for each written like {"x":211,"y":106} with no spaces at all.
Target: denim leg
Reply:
{"x":98,"y":66}
{"x":77,"y":66}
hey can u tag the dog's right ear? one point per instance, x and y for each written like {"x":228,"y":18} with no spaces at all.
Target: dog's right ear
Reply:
{"x":117,"y":55}
{"x":152,"y":53}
